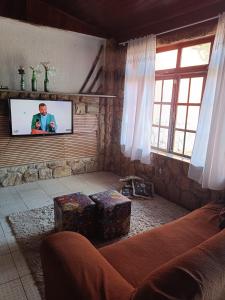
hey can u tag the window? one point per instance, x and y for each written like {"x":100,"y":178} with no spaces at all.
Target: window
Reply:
{"x":180,"y":79}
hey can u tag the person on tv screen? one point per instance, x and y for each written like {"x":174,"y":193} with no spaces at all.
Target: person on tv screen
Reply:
{"x":43,"y":122}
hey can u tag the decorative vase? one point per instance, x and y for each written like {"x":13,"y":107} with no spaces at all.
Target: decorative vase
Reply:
{"x":34,"y":81}
{"x":21,"y":72}
{"x":46,"y":82}
{"x":22,"y":83}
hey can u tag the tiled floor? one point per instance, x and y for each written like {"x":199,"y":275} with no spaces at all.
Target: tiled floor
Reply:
{"x":16,"y":282}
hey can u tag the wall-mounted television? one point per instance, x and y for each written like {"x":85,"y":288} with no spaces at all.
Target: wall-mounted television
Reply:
{"x":29,"y":117}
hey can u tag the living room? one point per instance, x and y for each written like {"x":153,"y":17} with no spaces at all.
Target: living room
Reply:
{"x":111,"y":147}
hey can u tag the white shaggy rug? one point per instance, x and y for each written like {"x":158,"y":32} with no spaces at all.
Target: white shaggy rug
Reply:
{"x":30,"y":227}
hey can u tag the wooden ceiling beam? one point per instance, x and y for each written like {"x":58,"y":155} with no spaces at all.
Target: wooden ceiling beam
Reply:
{"x":13,"y":9}
{"x":170,"y":22}
{"x":121,"y":20}
{"x":41,"y":13}
{"x":55,"y":17}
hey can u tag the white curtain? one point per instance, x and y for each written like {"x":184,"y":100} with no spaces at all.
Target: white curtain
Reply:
{"x":138,"y":99}
{"x":208,"y":158}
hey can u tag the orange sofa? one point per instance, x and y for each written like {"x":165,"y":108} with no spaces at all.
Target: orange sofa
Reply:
{"x":184,"y":259}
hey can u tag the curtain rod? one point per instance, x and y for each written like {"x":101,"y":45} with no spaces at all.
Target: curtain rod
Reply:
{"x":174,"y":29}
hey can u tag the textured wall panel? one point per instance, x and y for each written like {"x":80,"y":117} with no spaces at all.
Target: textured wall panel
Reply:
{"x":25,"y":150}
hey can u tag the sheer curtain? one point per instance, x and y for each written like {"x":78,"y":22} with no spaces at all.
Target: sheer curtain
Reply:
{"x":138,"y":99}
{"x":208,"y":158}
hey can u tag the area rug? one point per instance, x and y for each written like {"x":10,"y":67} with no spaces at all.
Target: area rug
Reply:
{"x":32,"y":226}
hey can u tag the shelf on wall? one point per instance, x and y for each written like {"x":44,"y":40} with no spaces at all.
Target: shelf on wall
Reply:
{"x":58,"y":93}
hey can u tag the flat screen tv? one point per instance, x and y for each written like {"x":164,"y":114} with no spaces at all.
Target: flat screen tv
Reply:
{"x":30,"y":117}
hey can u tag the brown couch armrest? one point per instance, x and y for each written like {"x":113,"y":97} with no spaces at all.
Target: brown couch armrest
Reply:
{"x":197,"y":274}
{"x":75,"y":270}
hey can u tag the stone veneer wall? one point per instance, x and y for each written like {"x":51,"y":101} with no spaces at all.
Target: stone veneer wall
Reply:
{"x":47,"y":170}
{"x":169,"y":175}
{"x":22,"y":159}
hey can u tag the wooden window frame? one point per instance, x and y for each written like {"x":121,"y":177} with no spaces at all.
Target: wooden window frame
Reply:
{"x":176,"y":74}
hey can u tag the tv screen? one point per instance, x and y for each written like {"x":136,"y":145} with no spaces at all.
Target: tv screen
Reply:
{"x":40,"y":117}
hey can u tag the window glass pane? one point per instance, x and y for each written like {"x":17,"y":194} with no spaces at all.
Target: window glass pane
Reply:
{"x":195,"y":55}
{"x":166,"y":60}
{"x":163,"y":138}
{"x":183,"y":90}
{"x":181,"y":116}
{"x":178,"y":141}
{"x":154,"y":139}
{"x":192,"y":119}
{"x":196,"y":90}
{"x":158,"y":90}
{"x":189,"y":143}
{"x":165,"y":115}
{"x":167,"y":90}
{"x":156,"y":114}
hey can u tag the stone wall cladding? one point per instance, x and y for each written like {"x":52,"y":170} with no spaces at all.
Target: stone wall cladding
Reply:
{"x":170,"y":178}
{"x":47,"y":170}
{"x":169,"y":175}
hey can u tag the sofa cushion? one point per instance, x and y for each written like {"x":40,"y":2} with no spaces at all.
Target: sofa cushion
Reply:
{"x":138,"y":256}
{"x":197,"y":274}
{"x":75,"y":270}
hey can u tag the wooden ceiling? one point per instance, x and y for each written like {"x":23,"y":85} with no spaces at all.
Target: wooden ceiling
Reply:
{"x":119,"y":19}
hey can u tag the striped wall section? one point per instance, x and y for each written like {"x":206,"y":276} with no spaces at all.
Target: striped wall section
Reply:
{"x":82,"y":143}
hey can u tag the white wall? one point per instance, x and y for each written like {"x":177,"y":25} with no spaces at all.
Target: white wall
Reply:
{"x":71,"y":53}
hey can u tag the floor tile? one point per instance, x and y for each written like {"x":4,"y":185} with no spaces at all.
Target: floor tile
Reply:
{"x":4,"y":248}
{"x":8,"y":269}
{"x":53,"y":187}
{"x":12,"y":290}
{"x":32,"y":194}
{"x":20,"y":263}
{"x":27,"y":186}
{"x":71,"y":180}
{"x":7,"y":190}
{"x":74,"y":187}
{"x":5,"y":225}
{"x":10,"y":197}
{"x":1,"y":231}
{"x":35,"y":198}
{"x":11,"y":201}
{"x":6,"y":210}
{"x":30,"y":288}
{"x":11,"y":241}
{"x":93,"y":189}
{"x":36,"y":203}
